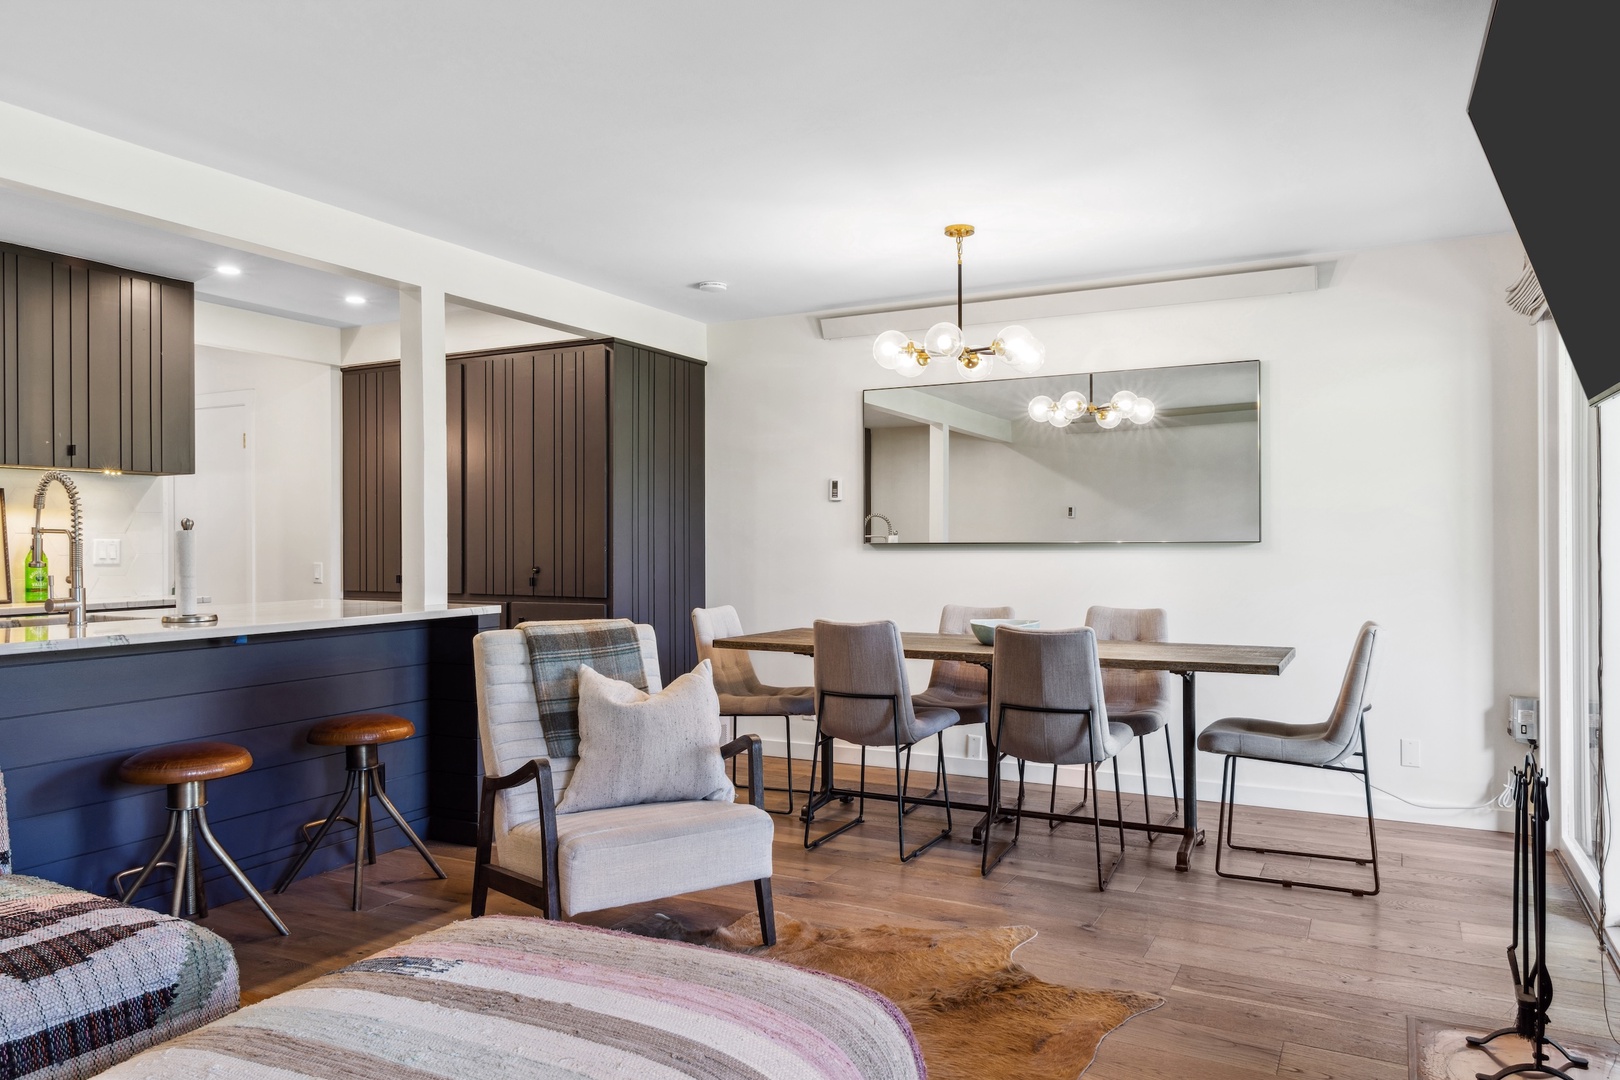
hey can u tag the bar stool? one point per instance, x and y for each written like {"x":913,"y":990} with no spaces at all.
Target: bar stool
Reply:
{"x":186,"y":769}
{"x":359,"y":736}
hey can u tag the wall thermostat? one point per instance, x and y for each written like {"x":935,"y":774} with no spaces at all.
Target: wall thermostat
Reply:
{"x":835,"y":491}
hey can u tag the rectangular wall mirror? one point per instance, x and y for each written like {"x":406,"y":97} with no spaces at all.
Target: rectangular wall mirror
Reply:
{"x":966,"y":463}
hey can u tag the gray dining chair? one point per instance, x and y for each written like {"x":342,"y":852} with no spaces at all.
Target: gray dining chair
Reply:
{"x":1328,"y":745}
{"x":863,"y":697}
{"x":1141,"y":700}
{"x":956,"y":684}
{"x":1047,"y":705}
{"x":741,"y":692}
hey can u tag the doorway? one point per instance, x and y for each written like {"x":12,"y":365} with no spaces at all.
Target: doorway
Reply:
{"x":218,"y":497}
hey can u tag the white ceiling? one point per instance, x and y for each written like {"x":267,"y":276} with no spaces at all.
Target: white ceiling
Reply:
{"x":808,"y":154}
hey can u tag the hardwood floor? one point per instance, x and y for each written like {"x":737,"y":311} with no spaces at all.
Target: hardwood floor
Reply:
{"x":1259,"y":980}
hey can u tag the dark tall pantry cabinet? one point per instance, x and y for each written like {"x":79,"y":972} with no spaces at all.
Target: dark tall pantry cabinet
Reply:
{"x":575,"y":485}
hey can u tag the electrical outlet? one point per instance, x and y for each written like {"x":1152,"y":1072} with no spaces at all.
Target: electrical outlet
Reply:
{"x":320,"y":573}
{"x":975,"y":747}
{"x":1411,"y":753}
{"x":106,"y":552}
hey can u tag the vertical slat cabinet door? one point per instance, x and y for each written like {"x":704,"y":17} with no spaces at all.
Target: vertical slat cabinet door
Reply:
{"x":177,"y":407}
{"x":498,"y":503}
{"x":77,"y":451}
{"x":35,"y":414}
{"x":590,"y":525}
{"x":138,"y":359}
{"x":390,"y":529}
{"x":695,"y":503}
{"x":454,"y":478}
{"x":61,"y":364}
{"x":8,"y":356}
{"x":104,"y":436}
{"x":546,"y":571}
{"x":525,"y":468}
{"x":475,"y":471}
{"x":353,"y":466}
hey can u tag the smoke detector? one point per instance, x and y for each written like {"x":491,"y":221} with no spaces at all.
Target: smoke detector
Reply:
{"x":710,"y":286}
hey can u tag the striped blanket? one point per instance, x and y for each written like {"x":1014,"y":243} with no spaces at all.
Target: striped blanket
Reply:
{"x":85,"y":982}
{"x":521,"y":997}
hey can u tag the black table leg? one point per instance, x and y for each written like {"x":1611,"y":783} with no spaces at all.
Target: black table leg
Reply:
{"x":1191,"y":834}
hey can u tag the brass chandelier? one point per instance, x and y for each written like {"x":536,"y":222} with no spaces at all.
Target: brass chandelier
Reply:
{"x":1022,"y":351}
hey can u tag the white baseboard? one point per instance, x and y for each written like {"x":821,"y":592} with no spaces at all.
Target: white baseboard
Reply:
{"x":1259,"y":791}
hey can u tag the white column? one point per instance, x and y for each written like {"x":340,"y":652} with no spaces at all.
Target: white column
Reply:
{"x":423,"y":491}
{"x":939,"y":483}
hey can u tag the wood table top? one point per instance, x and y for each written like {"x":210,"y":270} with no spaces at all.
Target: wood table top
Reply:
{"x":1133,"y":655}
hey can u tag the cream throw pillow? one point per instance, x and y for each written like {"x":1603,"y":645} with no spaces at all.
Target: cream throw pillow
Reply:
{"x":636,"y":747}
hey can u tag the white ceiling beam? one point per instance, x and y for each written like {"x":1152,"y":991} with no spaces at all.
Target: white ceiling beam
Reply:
{"x":1018,"y":309}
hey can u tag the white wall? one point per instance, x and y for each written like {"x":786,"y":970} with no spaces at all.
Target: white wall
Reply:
{"x":1399,"y":484}
{"x":465,"y":330}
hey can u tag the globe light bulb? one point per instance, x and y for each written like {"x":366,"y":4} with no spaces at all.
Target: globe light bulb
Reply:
{"x":1109,"y":419}
{"x":1142,"y":411}
{"x":1041,"y":409}
{"x":1073,"y":404}
{"x":909,"y":366}
{"x":973,"y":366}
{"x":890,"y":348}
{"x":1123,"y":402}
{"x":1061,"y":419}
{"x":943,"y":341}
{"x":1022,"y":350}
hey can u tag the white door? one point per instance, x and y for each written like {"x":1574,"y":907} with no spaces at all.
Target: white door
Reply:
{"x":218,"y":497}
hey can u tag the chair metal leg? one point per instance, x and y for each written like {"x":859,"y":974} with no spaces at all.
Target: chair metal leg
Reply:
{"x":810,"y":812}
{"x":1085,"y":794}
{"x":236,"y":873}
{"x":182,"y":867}
{"x":410,"y":833}
{"x":363,"y":815}
{"x":1225,"y":838}
{"x":767,"y":910}
{"x":145,"y":872}
{"x":311,"y":844}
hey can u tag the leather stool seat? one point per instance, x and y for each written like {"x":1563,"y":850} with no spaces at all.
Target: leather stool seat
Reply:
{"x":185,"y":769}
{"x":364,"y":729}
{"x":182,"y":763}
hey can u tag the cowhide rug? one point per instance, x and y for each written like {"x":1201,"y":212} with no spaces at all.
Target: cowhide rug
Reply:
{"x":977,"y":1014}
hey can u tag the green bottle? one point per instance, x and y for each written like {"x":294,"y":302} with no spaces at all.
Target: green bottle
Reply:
{"x":37,"y":579}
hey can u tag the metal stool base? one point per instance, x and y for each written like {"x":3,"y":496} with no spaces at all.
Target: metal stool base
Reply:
{"x":367,"y":774}
{"x":188,"y":820}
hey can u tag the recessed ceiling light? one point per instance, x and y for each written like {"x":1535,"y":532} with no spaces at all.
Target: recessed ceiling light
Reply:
{"x":710,"y":286}
{"x":229,"y":271}
{"x":354,"y":298}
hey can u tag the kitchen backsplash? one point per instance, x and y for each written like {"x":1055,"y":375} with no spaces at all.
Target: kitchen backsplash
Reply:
{"x":130,"y":509}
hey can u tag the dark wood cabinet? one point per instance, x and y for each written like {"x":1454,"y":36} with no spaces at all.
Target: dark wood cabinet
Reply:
{"x":575,"y":485}
{"x":96,"y":366}
{"x":371,"y":533}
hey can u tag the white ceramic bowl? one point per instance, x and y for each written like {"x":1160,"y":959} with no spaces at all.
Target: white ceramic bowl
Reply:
{"x":985,"y":629}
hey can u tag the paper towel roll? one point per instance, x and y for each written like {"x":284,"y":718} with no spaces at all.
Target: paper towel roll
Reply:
{"x":185,"y":571}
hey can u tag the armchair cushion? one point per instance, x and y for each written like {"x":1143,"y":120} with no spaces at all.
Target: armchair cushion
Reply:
{"x":629,"y":854}
{"x":636,"y":747}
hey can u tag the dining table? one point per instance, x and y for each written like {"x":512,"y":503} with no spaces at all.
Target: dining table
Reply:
{"x":1183,"y":659}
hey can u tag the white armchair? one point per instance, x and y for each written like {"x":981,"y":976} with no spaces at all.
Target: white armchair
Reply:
{"x":570,"y":863}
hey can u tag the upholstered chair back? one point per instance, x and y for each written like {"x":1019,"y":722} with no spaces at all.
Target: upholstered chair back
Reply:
{"x":733,"y":670}
{"x":1354,"y":694}
{"x":955,"y":674}
{"x":1049,"y":669}
{"x":1134,"y":691}
{"x":866,"y":659}
{"x":509,"y":731}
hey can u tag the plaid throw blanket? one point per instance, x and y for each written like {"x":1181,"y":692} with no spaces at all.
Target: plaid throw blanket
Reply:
{"x":556,"y":650}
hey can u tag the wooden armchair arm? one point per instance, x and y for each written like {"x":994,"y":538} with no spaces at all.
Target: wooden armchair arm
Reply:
{"x":547,"y":894}
{"x":756,"y":782}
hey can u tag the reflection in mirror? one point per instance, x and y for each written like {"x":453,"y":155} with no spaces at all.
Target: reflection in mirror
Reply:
{"x":966,"y":463}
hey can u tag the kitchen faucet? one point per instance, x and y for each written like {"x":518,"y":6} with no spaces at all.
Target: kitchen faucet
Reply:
{"x":74,"y":602}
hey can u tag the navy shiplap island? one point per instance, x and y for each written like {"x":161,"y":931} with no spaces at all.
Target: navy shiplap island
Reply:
{"x":75,"y":705}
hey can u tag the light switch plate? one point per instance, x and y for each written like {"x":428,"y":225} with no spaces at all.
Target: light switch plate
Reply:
{"x":320,"y":573}
{"x":106,"y":552}
{"x":835,"y":490}
{"x":1411,"y":753}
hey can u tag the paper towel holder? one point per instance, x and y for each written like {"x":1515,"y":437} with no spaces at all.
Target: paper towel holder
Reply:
{"x":194,"y":619}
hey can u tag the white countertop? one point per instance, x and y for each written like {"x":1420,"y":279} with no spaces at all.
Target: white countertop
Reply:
{"x":235,"y":620}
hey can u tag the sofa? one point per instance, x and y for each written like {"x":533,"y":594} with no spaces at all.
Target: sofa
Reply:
{"x":86,"y":982}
